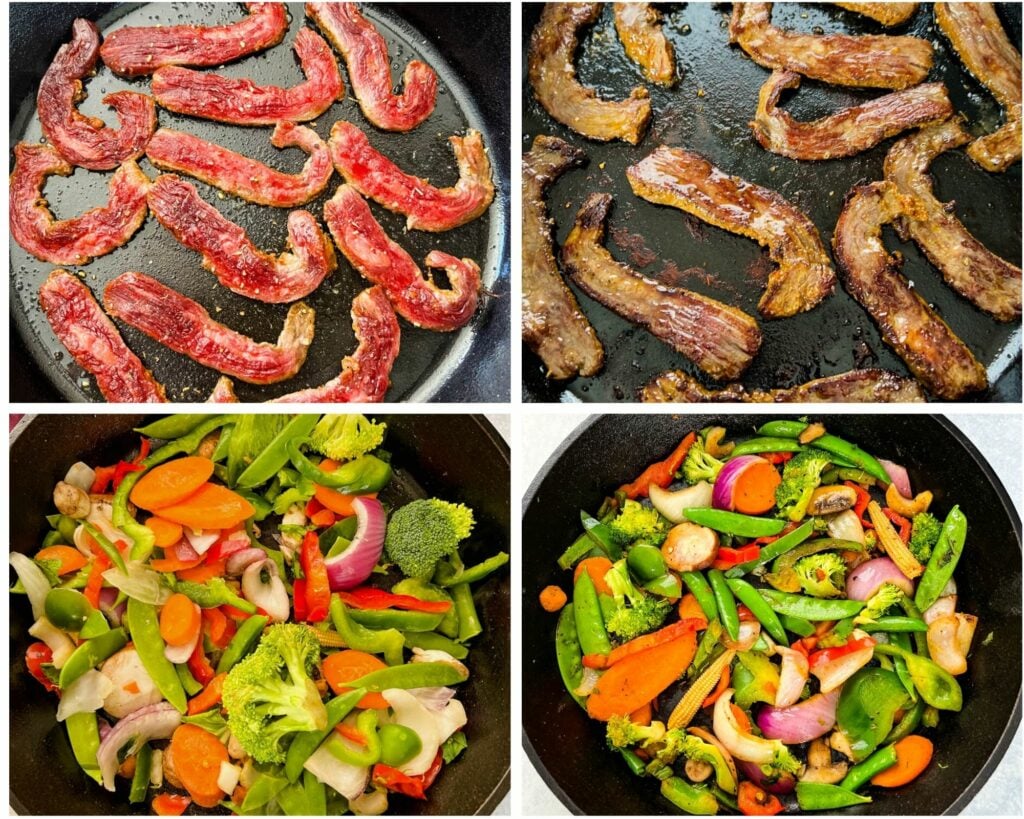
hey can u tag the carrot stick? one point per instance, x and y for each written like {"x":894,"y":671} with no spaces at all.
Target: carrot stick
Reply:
{"x":211,"y":506}
{"x":197,"y":755}
{"x":655,"y":638}
{"x":597,"y":568}
{"x":180,"y":619}
{"x":659,"y":473}
{"x":642,"y":715}
{"x":208,"y":697}
{"x":913,"y":753}
{"x":689,"y":609}
{"x":71,"y":560}
{"x":171,"y":482}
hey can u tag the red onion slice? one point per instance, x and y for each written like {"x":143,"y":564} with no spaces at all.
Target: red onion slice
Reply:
{"x":151,"y":722}
{"x":781,"y":784}
{"x":899,"y":477}
{"x":354,"y":565}
{"x":870,"y":575}
{"x":725,"y":483}
{"x":807,"y":720}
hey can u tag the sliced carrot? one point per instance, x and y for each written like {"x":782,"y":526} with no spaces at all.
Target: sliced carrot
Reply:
{"x":642,"y":715}
{"x":742,"y":720}
{"x":323,"y":519}
{"x":723,"y":683}
{"x":171,"y":482}
{"x":351,"y":733}
{"x":913,"y":753}
{"x":94,"y":584}
{"x":166,"y":532}
{"x":180,"y":619}
{"x":597,"y":568}
{"x":203,"y":572}
{"x":656,"y":638}
{"x":170,"y":804}
{"x":345,"y":666}
{"x":641,"y":677}
{"x":552,"y":598}
{"x":337,"y":502}
{"x":71,"y":560}
{"x":208,"y":697}
{"x":754,"y":490}
{"x":197,"y":757}
{"x":218,"y":626}
{"x":131,"y":687}
{"x":172,"y":564}
{"x":689,"y":609}
{"x":211,"y":506}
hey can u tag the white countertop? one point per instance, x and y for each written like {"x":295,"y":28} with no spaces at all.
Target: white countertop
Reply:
{"x":999,"y":439}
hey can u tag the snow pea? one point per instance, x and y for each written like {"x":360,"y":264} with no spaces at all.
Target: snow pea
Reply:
{"x":851,"y":454}
{"x":398,"y":744}
{"x":305,"y":743}
{"x":84,"y":734}
{"x":67,"y":609}
{"x":936,"y":686}
{"x":749,"y":597}
{"x":474,"y":574}
{"x":942,"y":563}
{"x":367,"y":473}
{"x":144,"y":626}
{"x":867,"y":706}
{"x":725,"y":603}
{"x":646,"y":562}
{"x":378,"y":619}
{"x":733,"y":523}
{"x":388,"y":642}
{"x":410,"y":675}
{"x":191,"y":685}
{"x":797,"y":625}
{"x":109,"y":549}
{"x":360,"y":756}
{"x":275,"y":455}
{"x":689,"y":798}
{"x":756,"y":446}
{"x":895,"y":623}
{"x":243,"y":642}
{"x":810,"y":608}
{"x":635,"y":763}
{"x":774,"y":549}
{"x":431,"y":641}
{"x":859,"y":775}
{"x":220,"y":452}
{"x":698,"y":586}
{"x":589,"y":621}
{"x":569,"y":653}
{"x":140,"y":779}
{"x":172,"y":426}
{"x":819,"y":796}
{"x":90,"y":654}
{"x":422,"y":590}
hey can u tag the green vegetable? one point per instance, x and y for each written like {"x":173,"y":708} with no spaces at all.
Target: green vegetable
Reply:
{"x":635,"y":763}
{"x":346,"y":437}
{"x":924,"y":534}
{"x":172,"y":426}
{"x":140,"y":779}
{"x":667,"y":585}
{"x":796,"y":625}
{"x":895,"y":623}
{"x":699,"y":465}
{"x":590,"y":628}
{"x":697,"y":749}
{"x":860,"y":775}
{"x":360,"y":756}
{"x":67,"y":609}
{"x":191,"y":685}
{"x":646,"y":562}
{"x":475,"y":574}
{"x":109,"y":549}
{"x":569,"y":654}
{"x":885,"y":597}
{"x":907,"y":725}
{"x":636,"y":613}
{"x":698,"y":586}
{"x":943,"y":561}
{"x":243,"y":642}
{"x":388,"y":642}
{"x":638,"y":522}
{"x":706,"y":648}
{"x":757,"y":446}
{"x":398,"y":744}
{"x":214,"y":592}
{"x":270,"y":694}
{"x":733,"y":523}
{"x":453,"y":746}
{"x":810,"y":608}
{"x":748,"y":595}
{"x":252,"y":435}
{"x":144,"y":625}
{"x":844,"y":453}
{"x":601,"y":535}
{"x":622,"y":732}
{"x":378,"y":619}
{"x":800,"y":477}
{"x":725,"y":603}
{"x":936,"y":686}
{"x":211,"y":721}
{"x":576,"y":551}
{"x":822,"y":575}
{"x":366,"y":473}
{"x":411,"y":675}
{"x":755,"y":678}
{"x":84,"y":735}
{"x":819,"y":796}
{"x":689,"y":798}
{"x":304,"y":744}
{"x":423,"y":532}
{"x":774,"y":549}
{"x":867,"y":706}
{"x":422,"y":590}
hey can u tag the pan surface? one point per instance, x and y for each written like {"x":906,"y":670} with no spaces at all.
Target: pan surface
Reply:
{"x":707,"y":112}
{"x":611,"y":449}
{"x":476,"y":473}
{"x":470,"y":364}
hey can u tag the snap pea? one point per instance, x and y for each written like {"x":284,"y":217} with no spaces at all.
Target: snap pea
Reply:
{"x":140,"y":779}
{"x":378,"y":619}
{"x":366,"y":473}
{"x":756,"y":446}
{"x":359,"y":756}
{"x":689,"y":798}
{"x":810,"y":608}
{"x":725,"y":603}
{"x":851,"y":454}
{"x":220,"y":452}
{"x":145,"y":630}
{"x":90,"y":654}
{"x":569,"y":654}
{"x":646,"y":562}
{"x":431,"y":641}
{"x":84,"y":735}
{"x":172,"y":426}
{"x":698,"y":586}
{"x":902,"y":639}
{"x":819,"y":796}
{"x":388,"y":642}
{"x":733,"y":523}
{"x":422,"y":590}
{"x":275,"y":455}
{"x":305,"y":743}
{"x":706,"y":648}
{"x":936,"y":686}
{"x":945,"y":556}
{"x":858,"y":775}
{"x":214,"y":592}
{"x":109,"y":549}
{"x":243,"y":642}
{"x":920,"y":639}
{"x":589,"y":622}
{"x":410,"y":675}
{"x":895,"y":623}
{"x":465,"y":608}
{"x":315,"y":795}
{"x":191,"y":685}
{"x":474,"y":574}
{"x":774,"y":549}
{"x":907,"y":725}
{"x":796,"y":625}
{"x":749,"y":597}
{"x":95,"y":625}
{"x":635,"y":763}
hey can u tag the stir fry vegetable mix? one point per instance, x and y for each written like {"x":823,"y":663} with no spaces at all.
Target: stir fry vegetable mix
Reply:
{"x":766,"y":621}
{"x":217,"y":618}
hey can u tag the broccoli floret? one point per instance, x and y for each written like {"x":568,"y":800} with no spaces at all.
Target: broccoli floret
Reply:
{"x":924,"y":534}
{"x":677,"y":742}
{"x":622,"y":732}
{"x":270,"y":694}
{"x":344,"y":437}
{"x":422,"y":532}
{"x":636,"y":613}
{"x":637,"y":522}
{"x":887,"y":596}
{"x":800,"y":477}
{"x":699,"y":465}
{"x":822,"y":575}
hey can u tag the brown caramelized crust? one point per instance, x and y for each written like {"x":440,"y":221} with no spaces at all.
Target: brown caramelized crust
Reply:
{"x":888,"y":14}
{"x":685,"y":180}
{"x":932,"y":351}
{"x":719,"y":339}
{"x":870,"y":61}
{"x":639,"y":28}
{"x":553,"y":77}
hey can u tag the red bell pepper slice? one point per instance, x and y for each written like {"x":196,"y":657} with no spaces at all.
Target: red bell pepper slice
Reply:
{"x":900,"y":522}
{"x":143,"y":451}
{"x":861,"y":506}
{"x":36,"y":656}
{"x":318,"y":587}
{"x":94,"y":583}
{"x":756,"y":801}
{"x":777,"y":458}
{"x":123,"y":469}
{"x":828,"y":655}
{"x":368,"y":597}
{"x":299,"y":597}
{"x":660,"y":473}
{"x":397,"y":782}
{"x":200,"y":666}
{"x":104,"y":476}
{"x":170,"y":804}
{"x":729,"y":557}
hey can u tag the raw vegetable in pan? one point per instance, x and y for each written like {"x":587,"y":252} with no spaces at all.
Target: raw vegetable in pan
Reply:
{"x":819,"y":638}
{"x":233,"y":620}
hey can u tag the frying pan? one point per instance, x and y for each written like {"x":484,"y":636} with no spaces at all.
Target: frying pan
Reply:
{"x":475,"y":473}
{"x":708,"y":112}
{"x":471,"y":364}
{"x":568,"y":748}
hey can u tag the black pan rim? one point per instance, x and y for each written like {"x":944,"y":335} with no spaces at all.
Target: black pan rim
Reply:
{"x":1012,"y":725}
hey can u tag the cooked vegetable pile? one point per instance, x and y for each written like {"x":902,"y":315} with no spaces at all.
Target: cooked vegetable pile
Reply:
{"x":766,"y":624}
{"x":221,"y":624}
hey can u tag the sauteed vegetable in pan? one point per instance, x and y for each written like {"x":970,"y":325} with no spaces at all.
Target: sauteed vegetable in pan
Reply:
{"x":766,"y":623}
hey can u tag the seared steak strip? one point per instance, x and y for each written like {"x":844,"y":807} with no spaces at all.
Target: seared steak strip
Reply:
{"x":872,"y":276}
{"x":553,"y":77}
{"x":719,"y":339}
{"x":969,"y":267}
{"x":855,"y":386}
{"x":847,"y":132}
{"x":888,"y":14}
{"x":639,"y":28}
{"x":554,"y":327}
{"x":977,"y":36}
{"x":685,"y":180}
{"x":869,"y":61}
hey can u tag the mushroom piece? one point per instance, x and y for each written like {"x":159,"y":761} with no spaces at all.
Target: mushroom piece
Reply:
{"x":830,"y":500}
{"x":71,"y":501}
{"x":697,"y":770}
{"x":838,"y":742}
{"x":820,"y":767}
{"x":689,"y":547}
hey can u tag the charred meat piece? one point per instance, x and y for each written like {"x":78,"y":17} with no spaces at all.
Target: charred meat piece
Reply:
{"x":719,"y":339}
{"x":639,"y":28}
{"x":83,"y":328}
{"x":369,"y":69}
{"x":382,"y":261}
{"x":685,"y":180}
{"x":244,"y":177}
{"x":977,"y":36}
{"x":365,"y":374}
{"x":847,"y":132}
{"x":554,"y":327}
{"x":976,"y":273}
{"x":932,"y":351}
{"x":888,"y":14}
{"x":553,"y":77}
{"x":231,"y":256}
{"x":183,"y":325}
{"x":138,"y":50}
{"x":243,"y":102}
{"x":870,"y":61}
{"x":223,"y":392}
{"x":72,"y":241}
{"x":856,"y":386}
{"x":427,"y":208}
{"x":82,"y":140}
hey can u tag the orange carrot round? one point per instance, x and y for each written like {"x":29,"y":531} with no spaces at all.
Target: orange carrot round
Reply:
{"x":180,"y":619}
{"x":345,"y":666}
{"x":71,"y":560}
{"x":597,"y":568}
{"x":167,"y":533}
{"x":754,"y":491}
{"x":913,"y":753}
{"x":208,"y":697}
{"x":197,"y":756}
{"x":211,"y":506}
{"x":171,"y":482}
{"x":552,"y":598}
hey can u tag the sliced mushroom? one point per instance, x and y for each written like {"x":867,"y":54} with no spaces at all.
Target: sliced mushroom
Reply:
{"x":698,"y":771}
{"x":820,"y":767}
{"x":689,"y":547}
{"x":811,"y":433}
{"x":71,"y":501}
{"x":830,"y":500}
{"x":838,"y":742}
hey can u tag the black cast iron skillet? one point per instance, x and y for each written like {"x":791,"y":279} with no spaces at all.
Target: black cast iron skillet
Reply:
{"x":45,"y":779}
{"x":471,"y":364}
{"x":708,"y":112}
{"x":568,"y":748}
